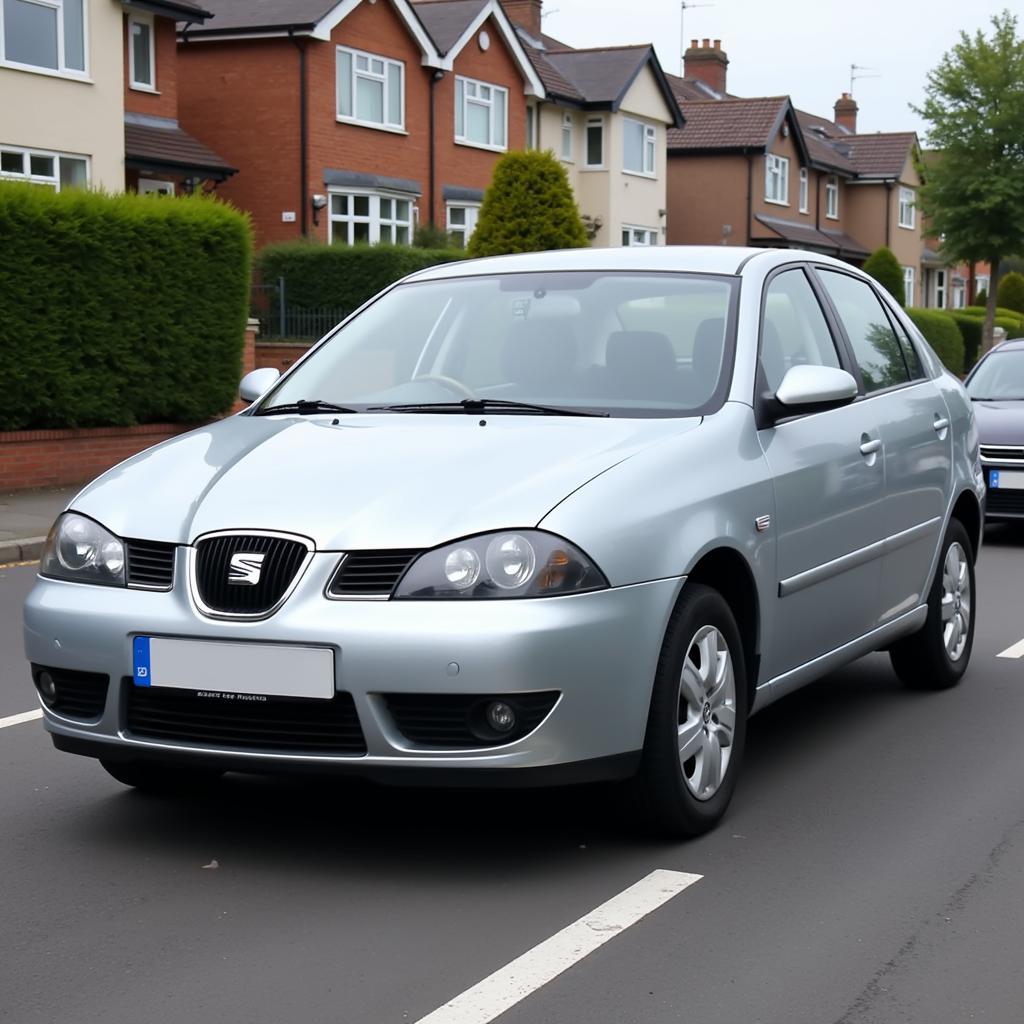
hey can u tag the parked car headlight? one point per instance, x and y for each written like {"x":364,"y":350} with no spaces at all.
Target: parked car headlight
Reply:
{"x":81,"y":550}
{"x":514,"y":563}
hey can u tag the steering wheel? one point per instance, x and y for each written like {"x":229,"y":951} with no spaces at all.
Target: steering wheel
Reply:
{"x":449,"y":382}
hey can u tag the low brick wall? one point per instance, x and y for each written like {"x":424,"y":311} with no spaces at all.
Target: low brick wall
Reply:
{"x":280,"y":354}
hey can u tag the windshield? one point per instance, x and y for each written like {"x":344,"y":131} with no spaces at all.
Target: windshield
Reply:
{"x":620,"y":344}
{"x":1001,"y":375}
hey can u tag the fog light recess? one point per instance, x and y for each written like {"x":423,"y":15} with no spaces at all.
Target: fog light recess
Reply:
{"x":500,"y":716}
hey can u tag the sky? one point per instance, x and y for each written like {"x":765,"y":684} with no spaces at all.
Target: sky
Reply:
{"x":799,"y":48}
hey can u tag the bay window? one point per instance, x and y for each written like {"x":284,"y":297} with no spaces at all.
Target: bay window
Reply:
{"x":55,"y":170}
{"x":370,"y":218}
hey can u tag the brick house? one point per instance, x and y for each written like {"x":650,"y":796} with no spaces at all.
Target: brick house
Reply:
{"x":354,"y":121}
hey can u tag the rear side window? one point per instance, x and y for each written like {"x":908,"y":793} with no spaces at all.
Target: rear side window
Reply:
{"x":876,"y":348}
{"x":913,"y":360}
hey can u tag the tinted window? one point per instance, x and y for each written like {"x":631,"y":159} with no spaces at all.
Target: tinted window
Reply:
{"x":794,"y":331}
{"x":875,"y":345}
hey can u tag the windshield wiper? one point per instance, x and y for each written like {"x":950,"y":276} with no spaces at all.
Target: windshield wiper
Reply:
{"x":304,"y":407}
{"x":478,"y":405}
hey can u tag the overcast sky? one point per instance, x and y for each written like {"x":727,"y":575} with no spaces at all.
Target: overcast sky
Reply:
{"x":800,"y":48}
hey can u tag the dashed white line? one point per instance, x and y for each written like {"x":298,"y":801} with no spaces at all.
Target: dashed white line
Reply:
{"x":25,"y":716}
{"x":535,"y":968}
{"x":1016,"y":651}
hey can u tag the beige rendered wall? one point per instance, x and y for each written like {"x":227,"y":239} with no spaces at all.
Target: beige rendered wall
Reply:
{"x":67,"y":115}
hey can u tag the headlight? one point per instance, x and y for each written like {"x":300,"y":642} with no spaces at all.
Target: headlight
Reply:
{"x":80,"y":550}
{"x":516,"y":563}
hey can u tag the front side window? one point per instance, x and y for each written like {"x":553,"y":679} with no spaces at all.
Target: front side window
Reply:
{"x":55,"y":170}
{"x":907,"y":218}
{"x":141,"y":52}
{"x":640,"y":147}
{"x":776,"y":179}
{"x":567,"y":137}
{"x":875,"y":344}
{"x":908,"y":286}
{"x":370,"y":218}
{"x":595,"y":142}
{"x":46,"y":34}
{"x":639,"y":236}
{"x":370,"y":89}
{"x":462,"y":223}
{"x":803,"y":190}
{"x":481,"y":114}
{"x":832,"y":197}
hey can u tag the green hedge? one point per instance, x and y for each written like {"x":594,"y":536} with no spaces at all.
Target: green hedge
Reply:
{"x":979,"y":311}
{"x":117,"y":310}
{"x":340,"y":275}
{"x":971,"y":328}
{"x":883,"y":266}
{"x":942,"y":333}
{"x":1011,"y":292}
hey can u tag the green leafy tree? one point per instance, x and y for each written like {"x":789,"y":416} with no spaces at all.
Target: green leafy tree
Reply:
{"x":529,"y":207}
{"x":974,"y":195}
{"x":1011,"y":290}
{"x":883,"y":266}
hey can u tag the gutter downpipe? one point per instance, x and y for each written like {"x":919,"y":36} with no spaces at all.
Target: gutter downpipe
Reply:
{"x":303,"y":133}
{"x":750,"y":197}
{"x":435,"y":77}
{"x":888,"y":214}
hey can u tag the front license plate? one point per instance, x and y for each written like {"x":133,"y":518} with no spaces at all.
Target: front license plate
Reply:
{"x":269,"y":670}
{"x":1006,"y":480}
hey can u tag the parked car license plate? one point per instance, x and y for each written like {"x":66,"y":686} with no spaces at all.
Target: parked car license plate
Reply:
{"x":1006,"y":480}
{"x":269,"y":670}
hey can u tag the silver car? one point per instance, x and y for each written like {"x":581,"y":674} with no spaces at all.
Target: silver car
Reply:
{"x":530,"y":520}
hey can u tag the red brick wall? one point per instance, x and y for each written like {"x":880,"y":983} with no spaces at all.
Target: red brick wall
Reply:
{"x":279,"y":355}
{"x":164,"y":102}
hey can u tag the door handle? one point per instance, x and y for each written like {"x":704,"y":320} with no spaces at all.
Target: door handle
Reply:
{"x":870,"y":447}
{"x":940,"y":424}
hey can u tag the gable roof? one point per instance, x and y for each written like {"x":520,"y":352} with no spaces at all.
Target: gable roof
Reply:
{"x":882,"y":155}
{"x":734,"y":125}
{"x":826,"y":142}
{"x":446,"y":20}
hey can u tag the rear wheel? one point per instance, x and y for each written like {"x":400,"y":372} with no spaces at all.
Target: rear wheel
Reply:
{"x":160,"y":777}
{"x":697,"y":724}
{"x":937,"y":655}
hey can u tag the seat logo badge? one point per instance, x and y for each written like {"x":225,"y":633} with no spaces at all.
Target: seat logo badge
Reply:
{"x":245,"y":569}
{"x":763,"y":523}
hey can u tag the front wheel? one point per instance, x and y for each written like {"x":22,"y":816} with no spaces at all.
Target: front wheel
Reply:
{"x":159,"y":777}
{"x":937,"y":655}
{"x":697,"y":724}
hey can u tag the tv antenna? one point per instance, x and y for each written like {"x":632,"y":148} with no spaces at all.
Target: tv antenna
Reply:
{"x":684,"y":6}
{"x":854,"y":68}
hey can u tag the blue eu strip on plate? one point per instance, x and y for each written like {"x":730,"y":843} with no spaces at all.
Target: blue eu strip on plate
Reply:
{"x":993,"y":478}
{"x":140,"y":660}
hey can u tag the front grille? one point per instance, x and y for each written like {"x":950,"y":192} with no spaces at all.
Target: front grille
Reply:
{"x":149,"y":565}
{"x":277,"y":725}
{"x":370,"y":573}
{"x":79,"y":694}
{"x":277,"y":561}
{"x":1002,"y":453}
{"x":459,"y":720}
{"x":1004,"y":503}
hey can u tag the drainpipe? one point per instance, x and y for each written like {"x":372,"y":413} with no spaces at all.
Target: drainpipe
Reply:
{"x":888,"y":214}
{"x":431,"y":177}
{"x":303,"y":134}
{"x":750,"y":196}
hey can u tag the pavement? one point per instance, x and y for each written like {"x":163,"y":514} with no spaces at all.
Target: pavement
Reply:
{"x":26,"y":518}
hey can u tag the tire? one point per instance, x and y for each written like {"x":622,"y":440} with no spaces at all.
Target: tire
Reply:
{"x":160,"y":777}
{"x":686,"y":796}
{"x":937,"y":655}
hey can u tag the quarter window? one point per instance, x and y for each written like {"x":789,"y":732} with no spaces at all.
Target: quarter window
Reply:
{"x":481,"y":114}
{"x":907,"y":218}
{"x":141,"y":52}
{"x":371,"y":89}
{"x":462,"y":223}
{"x":52,"y":169}
{"x":640,"y":147}
{"x":47,"y":34}
{"x":776,"y":179}
{"x":595,"y":142}
{"x":803,"y":190}
{"x":370,"y":218}
{"x":832,"y":197}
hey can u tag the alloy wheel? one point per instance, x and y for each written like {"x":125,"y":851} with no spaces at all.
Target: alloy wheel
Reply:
{"x":956,"y":601}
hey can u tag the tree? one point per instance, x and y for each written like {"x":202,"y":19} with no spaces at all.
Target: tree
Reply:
{"x":529,"y":207}
{"x":1011,"y":292}
{"x":883,"y":266}
{"x":974,"y":194}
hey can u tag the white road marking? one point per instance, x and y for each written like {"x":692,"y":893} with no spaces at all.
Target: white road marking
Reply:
{"x":1016,"y":651}
{"x":535,"y":968}
{"x":25,"y":716}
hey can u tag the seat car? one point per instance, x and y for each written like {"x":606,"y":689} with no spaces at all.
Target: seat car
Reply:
{"x":536,"y":519}
{"x":996,"y":388}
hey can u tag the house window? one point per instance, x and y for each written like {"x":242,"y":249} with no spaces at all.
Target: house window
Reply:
{"x":567,"y":137}
{"x":370,"y":217}
{"x":980,"y":283}
{"x":776,"y":179}
{"x":531,"y":127}
{"x":803,"y":190}
{"x":46,"y":34}
{"x":481,"y":114}
{"x":141,"y":52}
{"x":959,"y":294}
{"x":908,"y":286}
{"x":640,"y":143}
{"x":832,"y":197}
{"x":907,"y":216}
{"x":595,"y":142}
{"x":940,"y":289}
{"x":371,"y":89}
{"x":154,"y":187}
{"x":55,"y":170}
{"x":462,"y":223}
{"x":632,"y":236}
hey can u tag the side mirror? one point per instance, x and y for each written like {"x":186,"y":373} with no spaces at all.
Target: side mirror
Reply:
{"x":815,"y":386}
{"x":257,"y":383}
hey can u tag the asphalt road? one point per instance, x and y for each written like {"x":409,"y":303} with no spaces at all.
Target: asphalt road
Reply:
{"x":870,"y":871}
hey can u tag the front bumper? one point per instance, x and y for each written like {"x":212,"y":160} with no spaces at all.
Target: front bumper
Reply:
{"x":598,"y":650}
{"x":1002,"y":504}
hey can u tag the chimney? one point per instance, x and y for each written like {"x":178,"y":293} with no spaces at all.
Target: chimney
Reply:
{"x":846,"y":112}
{"x":525,"y":13}
{"x":708,"y":63}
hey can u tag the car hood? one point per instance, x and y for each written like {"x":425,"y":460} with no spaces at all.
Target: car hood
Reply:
{"x":369,"y":481}
{"x":1000,"y":422}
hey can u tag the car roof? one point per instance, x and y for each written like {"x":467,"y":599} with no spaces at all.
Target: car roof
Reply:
{"x":1012,"y":345}
{"x":707,"y":259}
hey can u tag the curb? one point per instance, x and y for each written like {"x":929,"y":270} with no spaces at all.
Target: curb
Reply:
{"x":26,"y":549}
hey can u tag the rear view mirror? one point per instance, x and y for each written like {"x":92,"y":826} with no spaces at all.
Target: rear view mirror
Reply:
{"x":257,"y":383}
{"x":815,"y":386}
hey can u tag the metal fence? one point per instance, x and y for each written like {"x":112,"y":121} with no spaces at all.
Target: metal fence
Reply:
{"x":279,"y":319}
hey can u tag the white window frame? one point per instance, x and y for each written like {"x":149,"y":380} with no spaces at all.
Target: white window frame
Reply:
{"x":145,"y":20}
{"x":590,"y":123}
{"x":776,"y":171}
{"x":471,"y":91}
{"x":804,"y":191}
{"x":832,"y":197}
{"x":52,"y":180}
{"x":648,"y":149}
{"x":384,"y":78}
{"x":959,"y":295}
{"x":908,"y":286}
{"x":466,"y":229}
{"x":630,"y":232}
{"x":62,"y":70}
{"x":532,"y":118}
{"x":566,"y":139}
{"x":940,"y":289}
{"x":907,"y":211}
{"x":981,"y":281}
{"x":156,"y":187}
{"x":373,"y":218}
